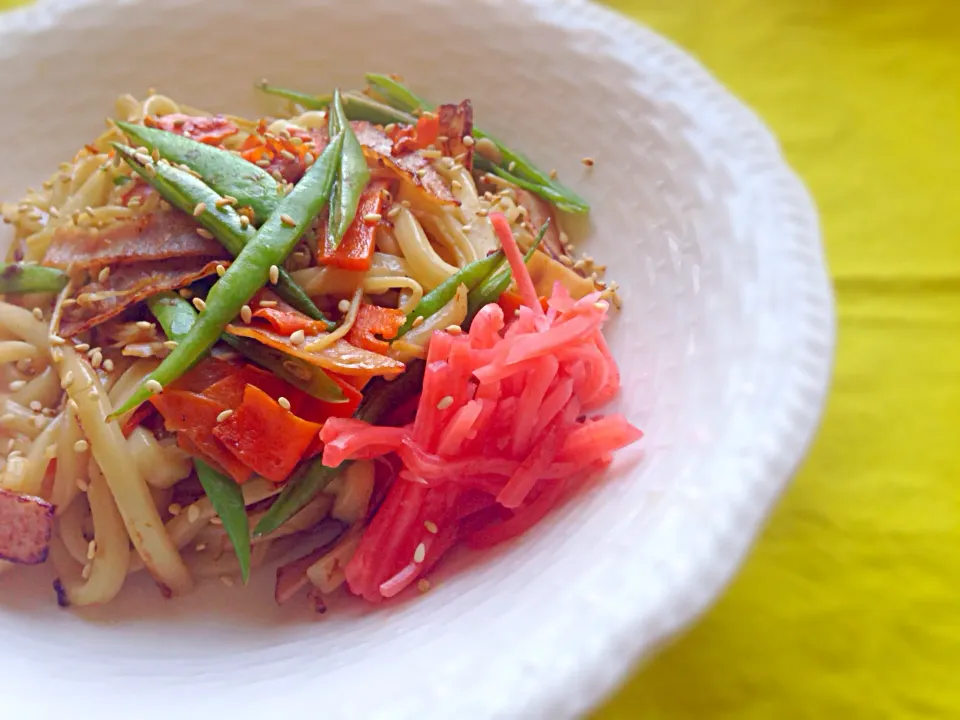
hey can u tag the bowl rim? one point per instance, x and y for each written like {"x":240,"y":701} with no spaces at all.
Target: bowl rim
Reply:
{"x":573,"y":688}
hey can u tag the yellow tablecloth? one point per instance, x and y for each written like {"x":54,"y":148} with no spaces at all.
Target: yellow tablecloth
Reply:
{"x":850,"y":605}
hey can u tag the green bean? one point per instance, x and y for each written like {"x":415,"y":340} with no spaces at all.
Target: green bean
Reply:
{"x":226,"y":497}
{"x":356,"y":106}
{"x":221,"y":170}
{"x":187,"y":193}
{"x":22,"y":278}
{"x":514,"y":167}
{"x":177,"y":316}
{"x":470,"y":275}
{"x":379,"y":398}
{"x":311,"y":379}
{"x":248,"y":273}
{"x":497,"y":282}
{"x":352,"y":175}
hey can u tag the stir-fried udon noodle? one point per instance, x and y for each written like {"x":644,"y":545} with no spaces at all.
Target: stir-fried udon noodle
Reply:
{"x":422,"y":374}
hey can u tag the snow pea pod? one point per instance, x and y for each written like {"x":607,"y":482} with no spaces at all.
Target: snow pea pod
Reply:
{"x":187,"y":193}
{"x":352,"y":175}
{"x":248,"y":273}
{"x":22,"y":278}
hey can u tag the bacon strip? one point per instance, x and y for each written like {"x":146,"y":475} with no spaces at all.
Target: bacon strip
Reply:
{"x":158,"y":236}
{"x":456,"y":122}
{"x":26,"y":524}
{"x":129,"y":284}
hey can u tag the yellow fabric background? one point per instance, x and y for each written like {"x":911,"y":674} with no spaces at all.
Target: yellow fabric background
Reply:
{"x":848,"y":608}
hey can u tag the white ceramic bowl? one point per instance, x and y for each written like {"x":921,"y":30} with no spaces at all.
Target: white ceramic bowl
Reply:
{"x":725,"y":344}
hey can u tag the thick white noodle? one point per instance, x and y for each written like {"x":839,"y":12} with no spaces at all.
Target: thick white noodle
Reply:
{"x":71,"y":465}
{"x":426,"y":266}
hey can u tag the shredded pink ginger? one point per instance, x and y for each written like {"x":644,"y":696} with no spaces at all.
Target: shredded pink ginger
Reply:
{"x":505,"y":427}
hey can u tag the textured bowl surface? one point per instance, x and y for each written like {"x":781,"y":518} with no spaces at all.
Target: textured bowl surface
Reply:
{"x":725,"y":344}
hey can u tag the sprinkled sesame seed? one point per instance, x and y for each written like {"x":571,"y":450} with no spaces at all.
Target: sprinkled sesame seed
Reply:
{"x":308,"y":159}
{"x":553,"y":174}
{"x":193,"y":514}
{"x":468,"y":140}
{"x":174,"y":509}
{"x":283,"y":402}
{"x":244,"y":221}
{"x":467,"y":228}
{"x":226,"y":580}
{"x":153,"y":386}
{"x":482,"y":212}
{"x":108,"y":365}
{"x":67,"y":380}
{"x":602,"y":306}
{"x":224,"y":415}
{"x":200,"y":547}
{"x":96,"y":359}
{"x":204,"y":233}
{"x":92,"y":550}
{"x":36,"y":405}
{"x":423,"y":585}
{"x":343,"y":306}
{"x":170,"y":344}
{"x":393,"y":212}
{"x":372,"y":217}
{"x":420,"y":553}
{"x":445,"y":402}
{"x":297,"y":337}
{"x":86,"y":572}
{"x":287,"y":220}
{"x":57,"y":340}
{"x":185,"y":293}
{"x":263,"y":162}
{"x":199,"y":304}
{"x":216,"y":521}
{"x":454,"y":329}
{"x":37,"y":313}
{"x":92,"y":352}
{"x":221,"y":270}
{"x":268,"y":303}
{"x":145,"y":324}
{"x":588,"y":161}
{"x":199,"y":209}
{"x":16,"y":385}
{"x":418,"y":321}
{"x":421,"y":172}
{"x":246,"y":314}
{"x":430,"y":526}
{"x":274,"y":274}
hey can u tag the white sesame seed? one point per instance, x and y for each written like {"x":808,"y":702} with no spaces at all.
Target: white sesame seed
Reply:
{"x":512,"y":166}
{"x":200,"y":547}
{"x":174,"y":509}
{"x":454,"y":329}
{"x":36,"y":405}
{"x":83,"y":347}
{"x":108,"y":365}
{"x":170,"y":344}
{"x":224,"y":415}
{"x":199,"y":304}
{"x":92,"y":550}
{"x":287,"y":220}
{"x":466,"y":228}
{"x":297,"y":337}
{"x":224,"y":201}
{"x":445,"y":402}
{"x":204,"y":233}
{"x":268,"y":303}
{"x":16,"y":385}
{"x":246,"y":314}
{"x":37,"y":313}
{"x":421,"y":172}
{"x":221,"y":270}
{"x":418,"y":321}
{"x":96,"y":359}
{"x":153,"y":386}
{"x":86,"y":572}
{"x":199,"y":209}
{"x":588,"y":161}
{"x":193,"y":513}
{"x":393,"y":212}
{"x":57,"y":340}
{"x":274,"y":274}
{"x":67,"y":380}
{"x":244,"y":221}
{"x":283,"y":402}
{"x":372,"y":217}
{"x":185,"y":293}
{"x":226,"y":580}
{"x":423,"y":585}
{"x":468,"y":140}
{"x":343,"y":306}
{"x":420,"y":553}
{"x":430,"y":526}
